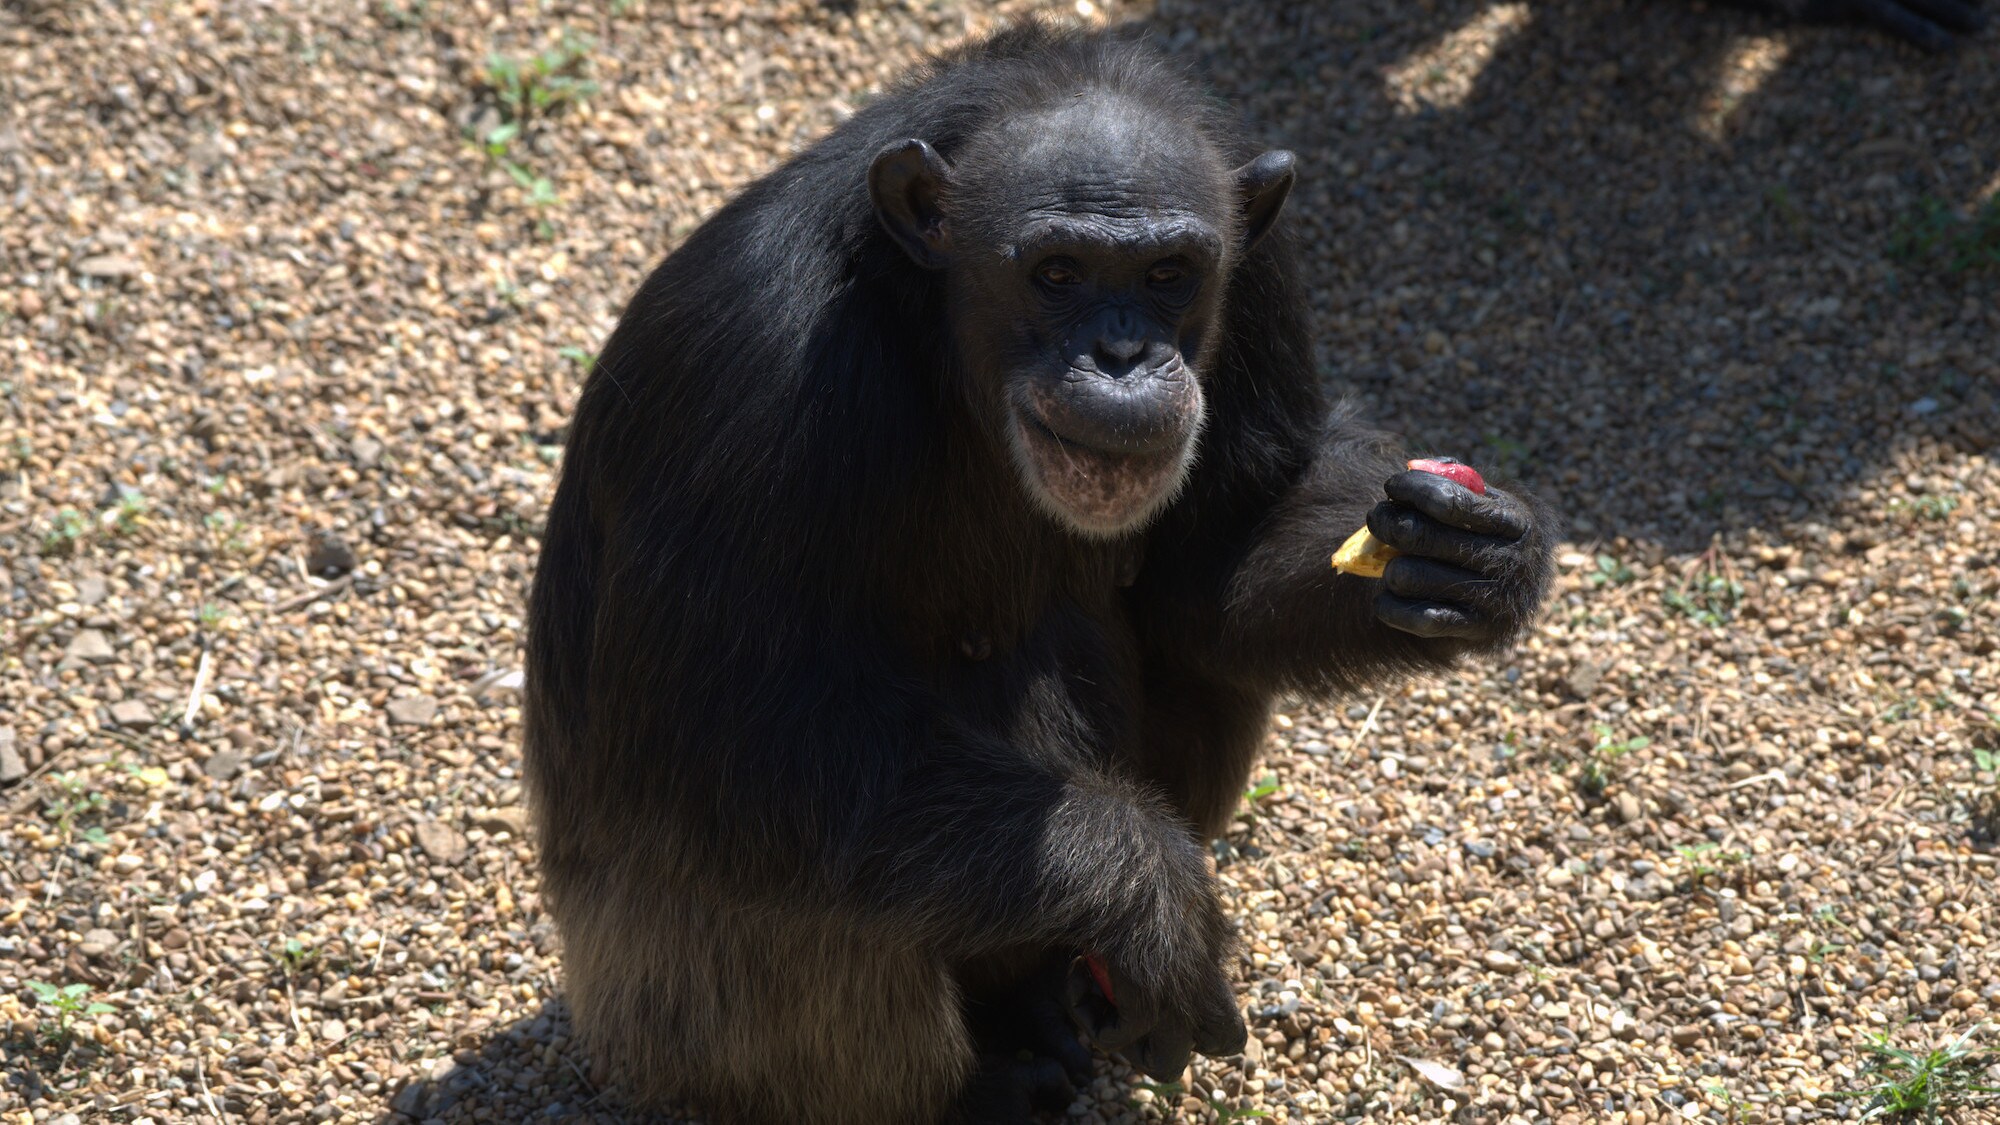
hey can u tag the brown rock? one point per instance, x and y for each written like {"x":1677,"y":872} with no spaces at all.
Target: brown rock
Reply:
{"x":89,"y":646}
{"x":442,"y":842}
{"x":12,"y":766}
{"x":223,"y":764}
{"x":133,"y":714}
{"x":1628,"y":808}
{"x":511,"y":820}
{"x":412,"y":710}
{"x":108,"y":265}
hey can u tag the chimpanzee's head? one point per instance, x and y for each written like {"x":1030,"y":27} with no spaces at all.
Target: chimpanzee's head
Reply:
{"x":1085,"y":246}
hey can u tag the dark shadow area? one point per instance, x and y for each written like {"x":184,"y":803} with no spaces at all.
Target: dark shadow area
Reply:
{"x":529,"y":1071}
{"x":1676,"y":300}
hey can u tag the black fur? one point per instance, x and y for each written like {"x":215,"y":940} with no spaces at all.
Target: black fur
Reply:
{"x":838,"y":741}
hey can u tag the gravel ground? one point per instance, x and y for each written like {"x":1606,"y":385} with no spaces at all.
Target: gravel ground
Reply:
{"x":284,"y":364}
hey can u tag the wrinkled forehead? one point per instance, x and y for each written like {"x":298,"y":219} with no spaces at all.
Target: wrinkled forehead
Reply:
{"x":1102,"y":168}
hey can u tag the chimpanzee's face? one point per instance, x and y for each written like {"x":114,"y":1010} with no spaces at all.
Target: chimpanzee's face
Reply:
{"x":1086,"y":250}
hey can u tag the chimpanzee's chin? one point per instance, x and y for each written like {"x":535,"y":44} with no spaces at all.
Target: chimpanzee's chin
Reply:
{"x":1093,"y":492}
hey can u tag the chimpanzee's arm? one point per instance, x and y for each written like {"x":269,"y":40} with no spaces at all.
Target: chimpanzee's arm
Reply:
{"x":1274,"y":613}
{"x":983,"y":852}
{"x":1473,"y":575}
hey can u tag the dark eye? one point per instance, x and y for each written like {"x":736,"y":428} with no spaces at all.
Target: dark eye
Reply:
{"x":1057,"y":273}
{"x":1163,"y":276}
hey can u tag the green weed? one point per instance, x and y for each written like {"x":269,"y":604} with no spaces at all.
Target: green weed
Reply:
{"x":1602,"y":764}
{"x":66,"y":530}
{"x":1709,"y":599}
{"x":74,"y":801}
{"x":65,"y":1005}
{"x":1608,"y":571}
{"x":543,"y":82}
{"x":1934,"y":232}
{"x":1908,"y":1086}
{"x":1708,"y":859}
{"x":1931,"y":507}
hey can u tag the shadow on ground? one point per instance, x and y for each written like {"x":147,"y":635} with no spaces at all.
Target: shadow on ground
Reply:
{"x":1680,"y":275}
{"x":527,"y":1071}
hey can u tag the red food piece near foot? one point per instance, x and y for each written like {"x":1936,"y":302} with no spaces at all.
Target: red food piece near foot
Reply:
{"x":1101,"y":974}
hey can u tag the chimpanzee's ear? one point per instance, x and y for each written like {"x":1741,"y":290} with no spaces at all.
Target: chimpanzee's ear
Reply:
{"x":1263,"y":185}
{"x":905,"y":182}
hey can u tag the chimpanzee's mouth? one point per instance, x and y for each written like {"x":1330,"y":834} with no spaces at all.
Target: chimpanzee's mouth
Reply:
{"x":1094,"y":491}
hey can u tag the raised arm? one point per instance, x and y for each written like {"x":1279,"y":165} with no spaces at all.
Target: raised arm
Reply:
{"x":1260,"y":604}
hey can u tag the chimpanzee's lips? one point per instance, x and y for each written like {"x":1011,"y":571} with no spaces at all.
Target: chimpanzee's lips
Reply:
{"x":1093,"y":490}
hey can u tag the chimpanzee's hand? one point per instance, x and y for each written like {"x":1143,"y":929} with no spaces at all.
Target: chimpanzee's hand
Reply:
{"x":1927,"y":23}
{"x":1473,"y":568}
{"x":1156,"y":1034}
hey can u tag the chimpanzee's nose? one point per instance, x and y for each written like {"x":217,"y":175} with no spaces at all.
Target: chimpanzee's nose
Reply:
{"x":1116,"y":355}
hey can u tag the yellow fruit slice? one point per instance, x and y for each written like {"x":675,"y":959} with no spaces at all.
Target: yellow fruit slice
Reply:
{"x":1363,"y":555}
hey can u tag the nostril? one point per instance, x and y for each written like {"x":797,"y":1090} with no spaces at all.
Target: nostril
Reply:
{"x":1118,"y":353}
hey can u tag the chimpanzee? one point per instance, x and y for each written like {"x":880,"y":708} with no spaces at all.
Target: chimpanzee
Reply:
{"x":935,"y":530}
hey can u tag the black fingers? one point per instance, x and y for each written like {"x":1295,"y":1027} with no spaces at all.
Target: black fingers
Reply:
{"x":1902,"y":22}
{"x":1414,"y":533}
{"x":1428,"y":580}
{"x":1429,"y":619}
{"x":1450,"y":502}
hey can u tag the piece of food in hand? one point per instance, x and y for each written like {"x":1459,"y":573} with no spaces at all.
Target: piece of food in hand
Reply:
{"x":1452,"y":470}
{"x":1364,"y":556}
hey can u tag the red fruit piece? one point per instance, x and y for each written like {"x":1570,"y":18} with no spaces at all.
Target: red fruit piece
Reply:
{"x":1452,"y":470}
{"x":1100,"y":973}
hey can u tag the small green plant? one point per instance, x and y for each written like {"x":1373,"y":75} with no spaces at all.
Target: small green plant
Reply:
{"x":129,"y":513}
{"x":211,"y":614}
{"x":528,"y":89}
{"x":1935,"y":232}
{"x":1709,"y":599}
{"x":1266,"y":785}
{"x":1984,"y":760}
{"x":541,"y":190}
{"x":1608,"y":571}
{"x":65,"y":1005}
{"x":1708,"y":859}
{"x":578,"y":356}
{"x":1732,"y":1106}
{"x":1165,"y":1094}
{"x":296,"y":956}
{"x":1224,"y":1114}
{"x":1908,"y":1086}
{"x":543,"y":82}
{"x":1929,"y":507}
{"x":1602,"y":763}
{"x":72,"y":802}
{"x":66,"y":530}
